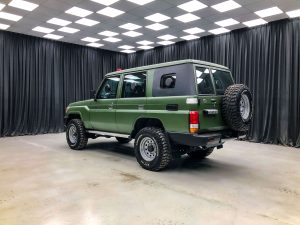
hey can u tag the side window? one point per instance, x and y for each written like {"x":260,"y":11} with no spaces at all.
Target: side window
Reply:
{"x":204,"y":82}
{"x":168,"y":81}
{"x":176,"y":80}
{"x":134,"y":85}
{"x":109,"y":88}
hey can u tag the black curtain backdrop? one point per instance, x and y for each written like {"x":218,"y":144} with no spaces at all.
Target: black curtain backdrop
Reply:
{"x":40,"y":77}
{"x":266,"y":59}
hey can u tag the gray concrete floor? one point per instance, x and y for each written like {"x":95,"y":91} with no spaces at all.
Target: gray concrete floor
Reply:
{"x":42,"y":182}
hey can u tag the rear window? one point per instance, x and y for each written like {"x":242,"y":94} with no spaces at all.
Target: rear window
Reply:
{"x":222,"y":80}
{"x":204,"y":82}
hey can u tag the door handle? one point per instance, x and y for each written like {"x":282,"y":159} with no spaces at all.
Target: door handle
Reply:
{"x":111,"y":106}
{"x":213,"y":100}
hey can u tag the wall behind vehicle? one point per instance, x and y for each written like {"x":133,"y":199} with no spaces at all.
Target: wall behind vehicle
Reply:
{"x":39,"y":78}
{"x":266,"y":59}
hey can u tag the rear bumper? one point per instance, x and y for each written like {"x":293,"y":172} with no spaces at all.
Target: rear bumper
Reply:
{"x":195,"y":140}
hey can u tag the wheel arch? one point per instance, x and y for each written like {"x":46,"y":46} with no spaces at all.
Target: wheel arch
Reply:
{"x":143,"y":122}
{"x":72,"y":115}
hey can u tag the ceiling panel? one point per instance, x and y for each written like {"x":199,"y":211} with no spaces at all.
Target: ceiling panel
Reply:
{"x":135,"y":13}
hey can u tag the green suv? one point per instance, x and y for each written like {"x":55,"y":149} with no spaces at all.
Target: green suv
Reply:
{"x":169,"y":109}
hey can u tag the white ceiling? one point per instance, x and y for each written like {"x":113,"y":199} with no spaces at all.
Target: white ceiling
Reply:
{"x":134,"y":13}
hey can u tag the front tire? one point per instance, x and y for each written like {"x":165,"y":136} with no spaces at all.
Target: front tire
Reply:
{"x":76,"y":135}
{"x":152,"y":149}
{"x":201,"y":153}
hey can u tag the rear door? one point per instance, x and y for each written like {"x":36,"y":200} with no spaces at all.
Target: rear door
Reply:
{"x":131,"y":104}
{"x":211,"y":85}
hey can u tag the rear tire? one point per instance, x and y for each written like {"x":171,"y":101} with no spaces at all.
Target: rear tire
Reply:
{"x":200,"y":153}
{"x":152,"y":149}
{"x":123,"y":140}
{"x":76,"y":135}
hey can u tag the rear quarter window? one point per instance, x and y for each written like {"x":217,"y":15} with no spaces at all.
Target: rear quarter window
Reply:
{"x":175,"y":80}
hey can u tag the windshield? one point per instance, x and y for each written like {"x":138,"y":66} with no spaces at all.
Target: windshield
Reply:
{"x":222,"y":80}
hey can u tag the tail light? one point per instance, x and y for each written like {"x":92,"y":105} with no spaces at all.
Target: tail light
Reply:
{"x":194,"y":122}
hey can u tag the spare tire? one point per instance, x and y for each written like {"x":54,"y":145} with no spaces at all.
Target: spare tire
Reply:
{"x":237,"y":107}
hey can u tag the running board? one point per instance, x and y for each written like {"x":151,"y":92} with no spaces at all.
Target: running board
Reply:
{"x":108,"y":134}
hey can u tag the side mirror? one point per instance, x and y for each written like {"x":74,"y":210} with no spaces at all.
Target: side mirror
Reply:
{"x":93,"y":94}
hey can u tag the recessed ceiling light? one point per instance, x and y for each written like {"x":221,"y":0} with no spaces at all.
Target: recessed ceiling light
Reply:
{"x":126,"y":47}
{"x":257,"y":22}
{"x":128,"y":51}
{"x":157,"y":17}
{"x":2,"y":6}
{"x":167,"y":37}
{"x":145,"y":47}
{"x":68,"y":30}
{"x":145,"y":42}
{"x":165,"y":42}
{"x":141,"y":2}
{"x":29,"y":6}
{"x":43,"y":29}
{"x":293,"y":13}
{"x":228,"y":22}
{"x":9,"y":16}
{"x":190,"y":37}
{"x":76,"y":11}
{"x":105,"y":2}
{"x":226,"y":6}
{"x":112,"y":39}
{"x":194,"y":30}
{"x":186,"y":18}
{"x":59,"y":22}
{"x":192,"y":6}
{"x":4,"y":26}
{"x":156,"y":26}
{"x":95,"y":45}
{"x":108,"y":33}
{"x":132,"y":34}
{"x":87,"y":22}
{"x":219,"y":30}
{"x":90,"y":39}
{"x":111,"y":12}
{"x":130,"y":26}
{"x":53,"y":36}
{"x":269,"y":12}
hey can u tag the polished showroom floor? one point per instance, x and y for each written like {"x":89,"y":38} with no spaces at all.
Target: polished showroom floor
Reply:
{"x":42,"y":182}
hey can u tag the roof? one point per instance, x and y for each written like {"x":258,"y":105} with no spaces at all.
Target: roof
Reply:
{"x":154,"y":66}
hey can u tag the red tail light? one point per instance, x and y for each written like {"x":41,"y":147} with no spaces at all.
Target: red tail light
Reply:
{"x":194,"y":122}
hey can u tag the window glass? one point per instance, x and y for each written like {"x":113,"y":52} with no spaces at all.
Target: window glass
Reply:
{"x":176,"y":80}
{"x":134,"y":85}
{"x":222,"y":80}
{"x":109,"y":88}
{"x":204,"y":82}
{"x":168,"y":81}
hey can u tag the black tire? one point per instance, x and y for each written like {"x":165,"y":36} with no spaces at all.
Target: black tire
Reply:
{"x":163,"y":155}
{"x":234,"y":117}
{"x":123,"y":140}
{"x":81,"y":139}
{"x":200,"y":153}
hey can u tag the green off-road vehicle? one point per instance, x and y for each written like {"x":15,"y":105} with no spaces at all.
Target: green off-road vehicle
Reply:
{"x":169,"y":109}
